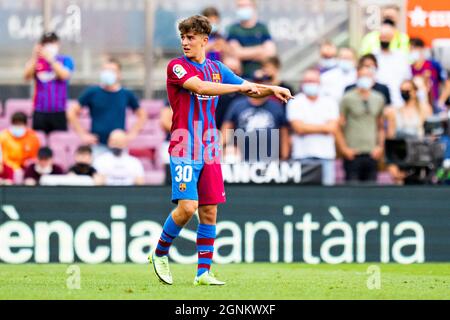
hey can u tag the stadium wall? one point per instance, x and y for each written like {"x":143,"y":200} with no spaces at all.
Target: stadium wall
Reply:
{"x":258,"y":223}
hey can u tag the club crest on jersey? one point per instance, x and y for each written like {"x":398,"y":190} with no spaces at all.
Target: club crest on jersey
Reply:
{"x":182,"y":187}
{"x":179,"y":71}
{"x":216,"y":77}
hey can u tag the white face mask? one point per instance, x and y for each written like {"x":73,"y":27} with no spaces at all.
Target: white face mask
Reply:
{"x":42,"y":170}
{"x":244,"y":13}
{"x":52,"y":49}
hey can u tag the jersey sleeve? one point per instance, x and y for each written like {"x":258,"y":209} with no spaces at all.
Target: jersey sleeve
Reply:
{"x":68,"y":63}
{"x":228,"y":76}
{"x":178,"y":72}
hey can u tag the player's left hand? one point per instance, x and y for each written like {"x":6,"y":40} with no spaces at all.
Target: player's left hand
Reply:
{"x":282,"y":93}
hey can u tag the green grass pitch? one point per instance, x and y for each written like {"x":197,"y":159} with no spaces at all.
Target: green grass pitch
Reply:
{"x":244,"y":281}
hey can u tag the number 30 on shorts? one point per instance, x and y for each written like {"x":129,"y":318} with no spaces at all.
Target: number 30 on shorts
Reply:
{"x":183,"y":173}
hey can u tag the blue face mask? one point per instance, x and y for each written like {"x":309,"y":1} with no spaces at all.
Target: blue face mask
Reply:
{"x":311,"y":89}
{"x":346,"y":65}
{"x":328,"y":63}
{"x":108,"y":78}
{"x":18,"y":131}
{"x":365,"y":83}
{"x":244,"y":14}
{"x":214,"y":28}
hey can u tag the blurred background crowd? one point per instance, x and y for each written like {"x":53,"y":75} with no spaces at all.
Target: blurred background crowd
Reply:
{"x":83,"y":100}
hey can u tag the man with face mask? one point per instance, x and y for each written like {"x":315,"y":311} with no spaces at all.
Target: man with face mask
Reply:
{"x":51,"y":72}
{"x":250,"y":40}
{"x":314,"y":120}
{"x":360,"y":138}
{"x":257,"y":115}
{"x":371,"y":43}
{"x":18,"y":142}
{"x":116,"y":167}
{"x":107,"y":104}
{"x":393,"y":66}
{"x":335,"y":80}
{"x":43,"y":166}
{"x":217,"y":46}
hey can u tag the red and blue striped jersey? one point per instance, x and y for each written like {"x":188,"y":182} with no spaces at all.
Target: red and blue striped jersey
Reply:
{"x":50,"y":93}
{"x":193,"y":122}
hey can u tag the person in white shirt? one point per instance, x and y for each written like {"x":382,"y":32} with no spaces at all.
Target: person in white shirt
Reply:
{"x":314,"y":120}
{"x":393,"y":66}
{"x":335,"y":80}
{"x":117,"y":167}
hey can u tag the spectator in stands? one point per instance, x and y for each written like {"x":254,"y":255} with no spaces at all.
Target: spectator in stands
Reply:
{"x":393,"y":66}
{"x":107,"y":105}
{"x":83,"y":163}
{"x":370,"y":61}
{"x":250,"y":40}
{"x":328,"y":56}
{"x":43,"y":166}
{"x":6,"y":173}
{"x":372,"y":42}
{"x":429,"y":70}
{"x":409,"y":121}
{"x":19,"y":143}
{"x":314,"y":119}
{"x":259,"y":116}
{"x":117,"y":167}
{"x":51,"y":72}
{"x":361,"y":135}
{"x":335,"y":80}
{"x":225,"y":101}
{"x":271,"y":67}
{"x":217,"y":45}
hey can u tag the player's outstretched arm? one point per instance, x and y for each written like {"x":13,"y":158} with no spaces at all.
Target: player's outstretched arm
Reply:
{"x":265,"y":90}
{"x":208,"y":88}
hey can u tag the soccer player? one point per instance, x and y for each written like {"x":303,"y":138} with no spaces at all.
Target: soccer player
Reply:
{"x":193,"y":86}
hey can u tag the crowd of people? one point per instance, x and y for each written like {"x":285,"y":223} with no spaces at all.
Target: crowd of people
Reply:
{"x":345,"y":107}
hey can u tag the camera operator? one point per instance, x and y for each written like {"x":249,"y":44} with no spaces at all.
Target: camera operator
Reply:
{"x":407,"y":122}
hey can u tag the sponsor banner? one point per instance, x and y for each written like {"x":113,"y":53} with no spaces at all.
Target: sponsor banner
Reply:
{"x":284,"y":172}
{"x":258,"y":223}
{"x":428,"y":19}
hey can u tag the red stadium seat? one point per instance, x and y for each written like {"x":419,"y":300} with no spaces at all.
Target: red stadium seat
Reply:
{"x":42,"y":138}
{"x":64,"y":145}
{"x":155,"y":177}
{"x":153,"y":107}
{"x":16,"y":105}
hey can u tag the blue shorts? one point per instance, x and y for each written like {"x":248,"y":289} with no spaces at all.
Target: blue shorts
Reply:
{"x":195,"y":180}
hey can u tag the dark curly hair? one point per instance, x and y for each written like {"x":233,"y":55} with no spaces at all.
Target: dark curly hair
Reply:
{"x":197,"y":24}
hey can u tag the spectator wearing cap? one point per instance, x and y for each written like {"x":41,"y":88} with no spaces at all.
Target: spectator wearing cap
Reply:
{"x":43,"y":166}
{"x":107,"y":104}
{"x":51,"y":72}
{"x":249,"y":39}
{"x":19,"y":143}
{"x":361,"y":136}
{"x":258,"y":116}
{"x":372,"y":42}
{"x":431,"y":72}
{"x":314,"y":119}
{"x":116,"y":167}
{"x":217,"y":46}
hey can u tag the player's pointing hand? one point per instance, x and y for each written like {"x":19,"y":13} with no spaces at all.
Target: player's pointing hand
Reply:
{"x":282,"y":93}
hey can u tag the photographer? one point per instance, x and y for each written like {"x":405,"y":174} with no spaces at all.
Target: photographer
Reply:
{"x":407,"y":122}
